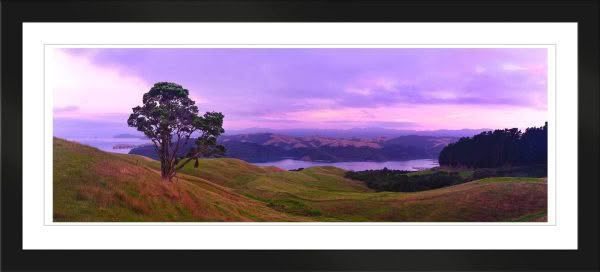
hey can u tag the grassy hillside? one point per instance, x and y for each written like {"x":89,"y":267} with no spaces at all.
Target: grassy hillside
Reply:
{"x":91,"y":185}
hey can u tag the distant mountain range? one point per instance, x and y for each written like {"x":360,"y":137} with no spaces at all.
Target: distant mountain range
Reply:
{"x":343,"y":133}
{"x":265,"y":147}
{"x":360,"y":132}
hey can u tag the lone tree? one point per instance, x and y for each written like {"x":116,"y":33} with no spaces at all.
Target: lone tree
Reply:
{"x":169,"y":118}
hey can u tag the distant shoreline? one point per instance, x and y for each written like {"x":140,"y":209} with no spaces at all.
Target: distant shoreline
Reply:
{"x":407,"y":165}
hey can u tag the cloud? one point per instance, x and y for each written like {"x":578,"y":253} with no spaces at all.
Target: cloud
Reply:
{"x":198,"y":100}
{"x":65,"y":109}
{"x":512,"y":67}
{"x":375,"y":124}
{"x":288,"y":87}
{"x":362,"y":92}
{"x":443,"y":95}
{"x":85,"y":90}
{"x":480,"y":69}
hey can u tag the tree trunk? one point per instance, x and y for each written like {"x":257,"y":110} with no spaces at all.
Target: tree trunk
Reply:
{"x":165,"y":165}
{"x":164,"y":170}
{"x":167,"y":173}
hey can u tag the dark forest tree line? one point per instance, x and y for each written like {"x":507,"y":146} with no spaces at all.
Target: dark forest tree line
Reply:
{"x":498,"y":148}
{"x":400,"y":181}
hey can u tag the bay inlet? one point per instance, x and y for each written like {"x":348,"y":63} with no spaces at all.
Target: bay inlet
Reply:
{"x":408,"y":165}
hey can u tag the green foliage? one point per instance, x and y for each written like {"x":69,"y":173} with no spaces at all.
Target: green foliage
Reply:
{"x":498,"y":148}
{"x":405,"y":181}
{"x":294,"y":207}
{"x":484,"y":173}
{"x":415,"y":181}
{"x":535,"y":171}
{"x":168,"y":117}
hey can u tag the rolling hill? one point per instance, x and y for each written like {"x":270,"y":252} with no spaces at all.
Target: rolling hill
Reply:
{"x":91,"y":186}
{"x":264,"y":147}
{"x":368,"y":132}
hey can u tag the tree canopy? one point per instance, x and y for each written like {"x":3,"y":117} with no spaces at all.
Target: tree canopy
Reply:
{"x":498,"y":148}
{"x":169,"y":118}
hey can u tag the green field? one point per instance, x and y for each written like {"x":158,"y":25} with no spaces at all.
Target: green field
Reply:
{"x":91,"y":186}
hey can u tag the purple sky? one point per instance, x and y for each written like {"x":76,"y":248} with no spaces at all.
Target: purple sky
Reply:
{"x":334,"y":88}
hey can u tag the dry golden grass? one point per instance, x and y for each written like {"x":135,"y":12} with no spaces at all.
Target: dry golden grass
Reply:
{"x":114,"y":189}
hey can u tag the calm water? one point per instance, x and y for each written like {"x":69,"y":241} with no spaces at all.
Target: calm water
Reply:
{"x":106,"y":144}
{"x":410,"y":165}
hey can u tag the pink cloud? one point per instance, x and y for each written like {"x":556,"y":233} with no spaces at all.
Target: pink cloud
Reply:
{"x":84,"y":90}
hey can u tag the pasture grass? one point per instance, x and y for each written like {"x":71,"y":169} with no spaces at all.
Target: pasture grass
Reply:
{"x":91,"y":185}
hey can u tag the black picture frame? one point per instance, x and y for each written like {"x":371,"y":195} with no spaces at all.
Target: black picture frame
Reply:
{"x":14,"y":13}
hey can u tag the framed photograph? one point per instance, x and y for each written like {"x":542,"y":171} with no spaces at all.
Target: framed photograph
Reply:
{"x":316,"y":135}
